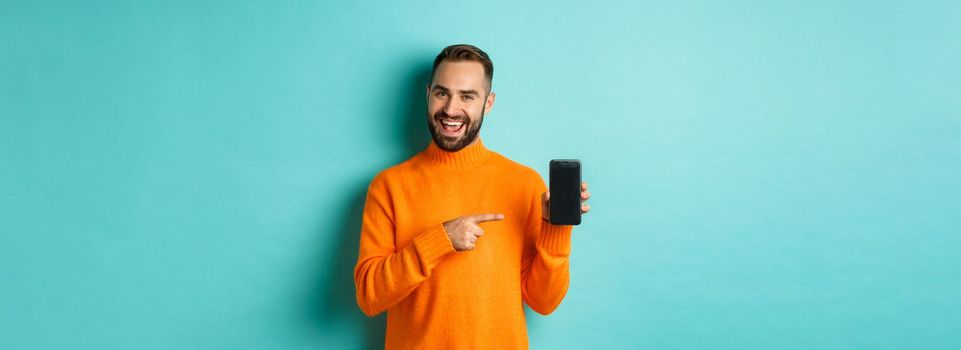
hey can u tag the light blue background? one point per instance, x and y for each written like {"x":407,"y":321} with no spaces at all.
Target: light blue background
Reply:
{"x":185,"y":175}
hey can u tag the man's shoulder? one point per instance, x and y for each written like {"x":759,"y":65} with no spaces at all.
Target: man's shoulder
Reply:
{"x":517,"y":169}
{"x":393,"y":172}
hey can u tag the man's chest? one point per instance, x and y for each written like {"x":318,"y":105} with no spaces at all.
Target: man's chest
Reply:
{"x":426,"y":200}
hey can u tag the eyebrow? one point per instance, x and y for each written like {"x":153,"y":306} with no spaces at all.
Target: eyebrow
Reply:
{"x":462,"y":92}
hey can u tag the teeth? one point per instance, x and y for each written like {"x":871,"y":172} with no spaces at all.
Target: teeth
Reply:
{"x":452,"y":123}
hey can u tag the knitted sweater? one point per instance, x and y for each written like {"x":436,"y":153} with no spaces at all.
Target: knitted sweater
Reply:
{"x":436,"y":297}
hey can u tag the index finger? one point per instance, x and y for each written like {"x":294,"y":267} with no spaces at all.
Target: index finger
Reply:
{"x":479,"y":218}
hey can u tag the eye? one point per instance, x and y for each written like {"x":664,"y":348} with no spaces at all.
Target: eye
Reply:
{"x":441,"y":94}
{"x":469,"y":97}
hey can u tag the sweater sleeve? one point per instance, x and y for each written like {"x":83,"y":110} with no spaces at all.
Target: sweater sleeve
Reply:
{"x":545,"y":266}
{"x":385,"y":274}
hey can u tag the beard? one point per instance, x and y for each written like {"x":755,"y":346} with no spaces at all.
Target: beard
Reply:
{"x":454,"y":144}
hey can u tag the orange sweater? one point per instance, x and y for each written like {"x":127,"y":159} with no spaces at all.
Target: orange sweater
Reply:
{"x":436,"y":297}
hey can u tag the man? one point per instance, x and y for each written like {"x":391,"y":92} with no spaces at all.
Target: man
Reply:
{"x":455,"y":238}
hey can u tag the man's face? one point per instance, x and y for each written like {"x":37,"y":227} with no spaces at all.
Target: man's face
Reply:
{"x":457,"y":100}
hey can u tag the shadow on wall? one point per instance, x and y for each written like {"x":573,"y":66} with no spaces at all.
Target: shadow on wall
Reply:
{"x":338,"y":302}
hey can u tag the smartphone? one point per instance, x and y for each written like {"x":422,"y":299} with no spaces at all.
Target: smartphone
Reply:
{"x":565,"y":188}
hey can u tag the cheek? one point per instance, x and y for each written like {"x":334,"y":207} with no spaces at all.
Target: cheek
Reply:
{"x":478,"y":111}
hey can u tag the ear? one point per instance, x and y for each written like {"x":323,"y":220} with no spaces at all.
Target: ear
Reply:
{"x":490,"y":102}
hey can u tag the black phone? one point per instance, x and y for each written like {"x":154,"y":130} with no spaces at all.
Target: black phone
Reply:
{"x":565,"y":188}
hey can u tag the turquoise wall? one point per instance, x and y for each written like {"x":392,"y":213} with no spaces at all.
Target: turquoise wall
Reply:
{"x":190,"y":175}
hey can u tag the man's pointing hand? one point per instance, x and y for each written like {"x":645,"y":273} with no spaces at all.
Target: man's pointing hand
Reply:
{"x":464,"y":231}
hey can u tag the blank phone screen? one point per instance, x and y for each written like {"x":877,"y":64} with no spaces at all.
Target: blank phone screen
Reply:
{"x":565,"y":188}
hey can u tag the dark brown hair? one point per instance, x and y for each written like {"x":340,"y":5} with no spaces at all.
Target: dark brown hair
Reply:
{"x":464,"y":52}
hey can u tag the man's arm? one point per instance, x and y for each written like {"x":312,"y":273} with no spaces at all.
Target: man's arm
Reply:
{"x":546,"y":267}
{"x":385,"y":275}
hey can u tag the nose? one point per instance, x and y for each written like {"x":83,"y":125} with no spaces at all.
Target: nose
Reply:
{"x":452,"y":107}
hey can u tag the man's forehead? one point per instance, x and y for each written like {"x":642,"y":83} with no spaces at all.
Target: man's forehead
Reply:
{"x":460,"y":75}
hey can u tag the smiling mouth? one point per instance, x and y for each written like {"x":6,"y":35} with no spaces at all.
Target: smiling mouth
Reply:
{"x":451,"y":127}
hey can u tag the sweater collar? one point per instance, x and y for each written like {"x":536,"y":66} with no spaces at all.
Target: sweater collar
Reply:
{"x":472,"y":154}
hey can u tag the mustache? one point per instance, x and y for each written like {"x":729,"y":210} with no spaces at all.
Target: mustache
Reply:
{"x":442,"y":115}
